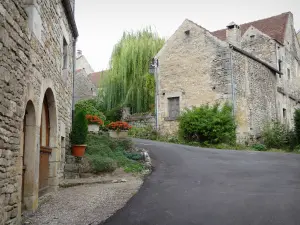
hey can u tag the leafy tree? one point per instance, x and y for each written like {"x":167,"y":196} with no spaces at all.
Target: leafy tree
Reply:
{"x":128,"y":80}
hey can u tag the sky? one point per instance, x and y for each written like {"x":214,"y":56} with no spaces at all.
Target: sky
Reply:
{"x":101,"y":23}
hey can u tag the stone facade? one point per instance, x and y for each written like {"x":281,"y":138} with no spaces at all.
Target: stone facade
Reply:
{"x":37,"y":39}
{"x":82,"y":63}
{"x":83,"y":88}
{"x":243,"y":69}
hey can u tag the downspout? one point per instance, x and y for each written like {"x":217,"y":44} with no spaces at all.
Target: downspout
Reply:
{"x":232,"y":82}
{"x":74,"y":68}
{"x":156,"y":94}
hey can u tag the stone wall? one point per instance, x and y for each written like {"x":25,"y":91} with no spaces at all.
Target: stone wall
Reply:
{"x":83,"y":88}
{"x":82,"y":63}
{"x":31,"y":53}
{"x":141,"y":120}
{"x":255,"y":96}
{"x":194,"y":66}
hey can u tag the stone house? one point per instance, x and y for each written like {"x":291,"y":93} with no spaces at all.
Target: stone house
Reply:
{"x":83,"y":86}
{"x":37,"y":43}
{"x":255,"y":66}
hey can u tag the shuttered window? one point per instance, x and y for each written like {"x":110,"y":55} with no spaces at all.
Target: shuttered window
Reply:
{"x":173,"y":106}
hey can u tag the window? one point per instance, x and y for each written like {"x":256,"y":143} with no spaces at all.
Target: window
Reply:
{"x":284,"y":113}
{"x":65,"y":54}
{"x":252,"y":37}
{"x":173,"y":107}
{"x":288,"y":73}
{"x":279,"y":65}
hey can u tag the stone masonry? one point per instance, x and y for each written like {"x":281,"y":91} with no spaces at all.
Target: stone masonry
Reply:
{"x":37,"y":39}
{"x":256,"y":67}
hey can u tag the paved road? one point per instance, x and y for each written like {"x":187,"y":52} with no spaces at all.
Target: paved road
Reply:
{"x":192,"y":185}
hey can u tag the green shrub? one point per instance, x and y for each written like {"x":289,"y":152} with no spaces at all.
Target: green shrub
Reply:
{"x":90,"y":107}
{"x":297,"y":125}
{"x":292,"y":140}
{"x":146,"y":132}
{"x":275,"y":135}
{"x":134,"y":167}
{"x":100,"y":149}
{"x":211,"y":124}
{"x":133,"y":156}
{"x":102,"y":164}
{"x":114,"y":114}
{"x":259,"y":147}
{"x":79,"y":129}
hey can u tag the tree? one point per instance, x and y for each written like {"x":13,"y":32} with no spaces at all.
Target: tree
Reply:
{"x":128,"y":82}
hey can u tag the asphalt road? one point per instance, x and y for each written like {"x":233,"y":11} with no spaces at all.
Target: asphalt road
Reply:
{"x":191,"y":185}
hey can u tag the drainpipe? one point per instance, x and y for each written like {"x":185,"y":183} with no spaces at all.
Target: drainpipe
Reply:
{"x":156,"y":93}
{"x":74,"y":68}
{"x":232,"y":82}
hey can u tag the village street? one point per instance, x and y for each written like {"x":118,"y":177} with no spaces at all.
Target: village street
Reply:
{"x":191,"y":185}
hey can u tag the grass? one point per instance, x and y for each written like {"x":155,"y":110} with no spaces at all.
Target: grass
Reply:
{"x":106,"y":154}
{"x":148,"y":133}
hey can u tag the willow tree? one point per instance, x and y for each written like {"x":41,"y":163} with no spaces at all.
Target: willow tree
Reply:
{"x":129,"y":82}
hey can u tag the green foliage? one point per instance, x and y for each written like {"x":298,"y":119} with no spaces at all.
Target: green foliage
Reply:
{"x":79,"y":129}
{"x":102,"y":164}
{"x":275,"y":135}
{"x":129,"y":81}
{"x":297,"y":124}
{"x":114,"y":114}
{"x":143,"y":132}
{"x":117,"y":151}
{"x":259,"y":147}
{"x":90,"y":107}
{"x":210,"y":124}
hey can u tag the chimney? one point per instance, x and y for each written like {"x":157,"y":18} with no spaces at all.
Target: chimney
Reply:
{"x":79,"y":53}
{"x":233,"y":34}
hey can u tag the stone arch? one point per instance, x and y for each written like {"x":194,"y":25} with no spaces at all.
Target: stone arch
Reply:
{"x":49,"y":154}
{"x":29,"y":196}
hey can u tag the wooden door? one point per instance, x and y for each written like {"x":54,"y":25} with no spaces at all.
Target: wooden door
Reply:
{"x":45,"y":149}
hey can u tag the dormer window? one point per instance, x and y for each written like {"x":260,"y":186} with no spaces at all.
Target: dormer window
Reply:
{"x":252,"y":37}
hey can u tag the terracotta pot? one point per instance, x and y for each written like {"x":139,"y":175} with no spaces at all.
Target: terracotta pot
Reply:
{"x":78,"y":150}
{"x":121,"y":134}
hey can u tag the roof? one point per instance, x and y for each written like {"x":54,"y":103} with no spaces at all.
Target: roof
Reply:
{"x":273,"y":26}
{"x":96,"y":77}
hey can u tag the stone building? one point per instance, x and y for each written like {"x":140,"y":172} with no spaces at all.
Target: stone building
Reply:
{"x":83,"y":86}
{"x":83,"y":63}
{"x":37,"y":43}
{"x":255,"y":66}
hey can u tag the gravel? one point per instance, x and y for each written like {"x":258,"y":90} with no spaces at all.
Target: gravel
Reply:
{"x":85,"y":204}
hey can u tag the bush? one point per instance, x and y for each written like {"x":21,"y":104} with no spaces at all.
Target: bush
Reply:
{"x":79,"y":129}
{"x":210,"y":124}
{"x":259,"y":147}
{"x":102,"y":164}
{"x":114,"y":114}
{"x":133,"y":156}
{"x":90,"y":107}
{"x":275,"y":135}
{"x":297,"y":125}
{"x":143,"y":132}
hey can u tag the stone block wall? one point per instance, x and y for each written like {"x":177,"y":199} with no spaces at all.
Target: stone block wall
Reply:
{"x":83,"y":88}
{"x":194,"y":66}
{"x":141,"y":120}
{"x":31,"y":52}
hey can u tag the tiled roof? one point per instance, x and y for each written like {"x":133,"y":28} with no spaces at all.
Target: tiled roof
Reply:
{"x":96,"y":77}
{"x":273,"y":26}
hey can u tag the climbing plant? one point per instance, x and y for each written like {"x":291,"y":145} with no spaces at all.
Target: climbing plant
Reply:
{"x":129,"y":82}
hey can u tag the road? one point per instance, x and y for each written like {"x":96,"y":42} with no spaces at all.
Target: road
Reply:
{"x":191,"y":185}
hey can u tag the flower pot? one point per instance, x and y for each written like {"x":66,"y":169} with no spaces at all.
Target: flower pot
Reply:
{"x":78,"y":150}
{"x":93,"y":128}
{"x":118,"y":134}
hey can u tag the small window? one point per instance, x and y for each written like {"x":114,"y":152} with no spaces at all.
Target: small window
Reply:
{"x":173,"y":107}
{"x":252,"y":37}
{"x":288,"y":73}
{"x":280,"y":65}
{"x":65,"y":54}
{"x":284,"y":113}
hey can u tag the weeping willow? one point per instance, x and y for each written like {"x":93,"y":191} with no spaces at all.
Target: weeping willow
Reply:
{"x":128,"y":82}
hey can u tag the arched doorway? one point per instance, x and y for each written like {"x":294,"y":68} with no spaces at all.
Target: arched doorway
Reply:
{"x":29,"y":150}
{"x":48,"y":139}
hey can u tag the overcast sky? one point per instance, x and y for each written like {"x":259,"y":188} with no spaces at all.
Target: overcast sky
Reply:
{"x":102,"y":22}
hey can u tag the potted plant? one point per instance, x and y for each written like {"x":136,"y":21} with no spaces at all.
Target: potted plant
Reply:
{"x":79,"y":134}
{"x":93,"y":123}
{"x":118,"y":129}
